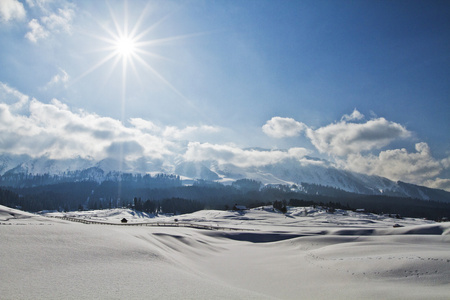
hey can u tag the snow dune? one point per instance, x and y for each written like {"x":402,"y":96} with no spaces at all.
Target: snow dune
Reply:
{"x":306,"y":254}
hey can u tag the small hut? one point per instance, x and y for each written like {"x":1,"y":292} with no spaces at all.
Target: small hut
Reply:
{"x":239,"y":207}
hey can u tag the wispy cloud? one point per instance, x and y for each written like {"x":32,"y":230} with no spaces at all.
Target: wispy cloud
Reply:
{"x":16,"y":100}
{"x":36,"y":32}
{"x":189,"y":132}
{"x":42,"y":4}
{"x":144,"y":125}
{"x":354,"y":116}
{"x":52,"y":22}
{"x":60,"y":21}
{"x":61,"y":78}
{"x":11,"y":10}
{"x":438,"y":183}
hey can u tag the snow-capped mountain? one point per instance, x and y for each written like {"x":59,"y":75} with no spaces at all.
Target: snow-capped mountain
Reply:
{"x":8,"y":162}
{"x":42,"y":165}
{"x":286,"y":172}
{"x":292,"y":172}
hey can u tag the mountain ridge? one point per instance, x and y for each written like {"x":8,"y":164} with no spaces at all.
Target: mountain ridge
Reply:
{"x":288,"y":172}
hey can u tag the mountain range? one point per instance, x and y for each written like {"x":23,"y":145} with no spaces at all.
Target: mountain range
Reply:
{"x":290,"y":172}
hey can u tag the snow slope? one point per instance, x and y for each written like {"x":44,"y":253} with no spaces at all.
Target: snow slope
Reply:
{"x":286,"y":172}
{"x":314,"y":256}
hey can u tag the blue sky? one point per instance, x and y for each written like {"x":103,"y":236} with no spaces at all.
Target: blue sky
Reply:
{"x":364,"y":84}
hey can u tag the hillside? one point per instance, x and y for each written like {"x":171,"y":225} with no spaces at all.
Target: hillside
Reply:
{"x":317,"y":255}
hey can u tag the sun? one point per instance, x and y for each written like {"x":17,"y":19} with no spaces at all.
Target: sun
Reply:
{"x":130,"y":47}
{"x":125,"y":46}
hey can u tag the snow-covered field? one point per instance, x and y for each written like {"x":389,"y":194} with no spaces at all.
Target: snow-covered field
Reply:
{"x":305,"y":254}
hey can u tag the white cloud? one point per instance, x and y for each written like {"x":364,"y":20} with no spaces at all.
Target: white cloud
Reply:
{"x":55,"y":130}
{"x":11,"y":10}
{"x":175,"y":133}
{"x":341,"y":138}
{"x":348,"y":140}
{"x":438,"y":183}
{"x":279,"y":127}
{"x":130,"y":149}
{"x":144,"y":125}
{"x":51,"y":23}
{"x":30,"y":3}
{"x":45,"y":6}
{"x":37,"y":31}
{"x":16,"y":99}
{"x":446,"y":162}
{"x":356,"y":115}
{"x":225,"y":154}
{"x":344,"y":138}
{"x":418,"y":167}
{"x":189,"y":132}
{"x":61,"y":21}
{"x":61,"y":78}
{"x":40,"y":3}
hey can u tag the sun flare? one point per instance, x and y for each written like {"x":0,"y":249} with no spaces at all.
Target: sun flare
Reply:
{"x":130,"y":48}
{"x":125,"y":46}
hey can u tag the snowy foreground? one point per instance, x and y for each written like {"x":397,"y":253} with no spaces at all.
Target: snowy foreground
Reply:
{"x":306,"y":254}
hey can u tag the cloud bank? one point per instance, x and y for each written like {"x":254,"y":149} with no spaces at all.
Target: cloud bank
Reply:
{"x":53,"y":129}
{"x":225,"y":154}
{"x":341,"y":138}
{"x":355,"y":145}
{"x":397,"y":164}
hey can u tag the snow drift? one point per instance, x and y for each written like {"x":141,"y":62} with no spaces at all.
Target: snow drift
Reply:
{"x":314,"y":256}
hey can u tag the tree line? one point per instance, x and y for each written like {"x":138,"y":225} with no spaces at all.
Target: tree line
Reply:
{"x":204,"y":195}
